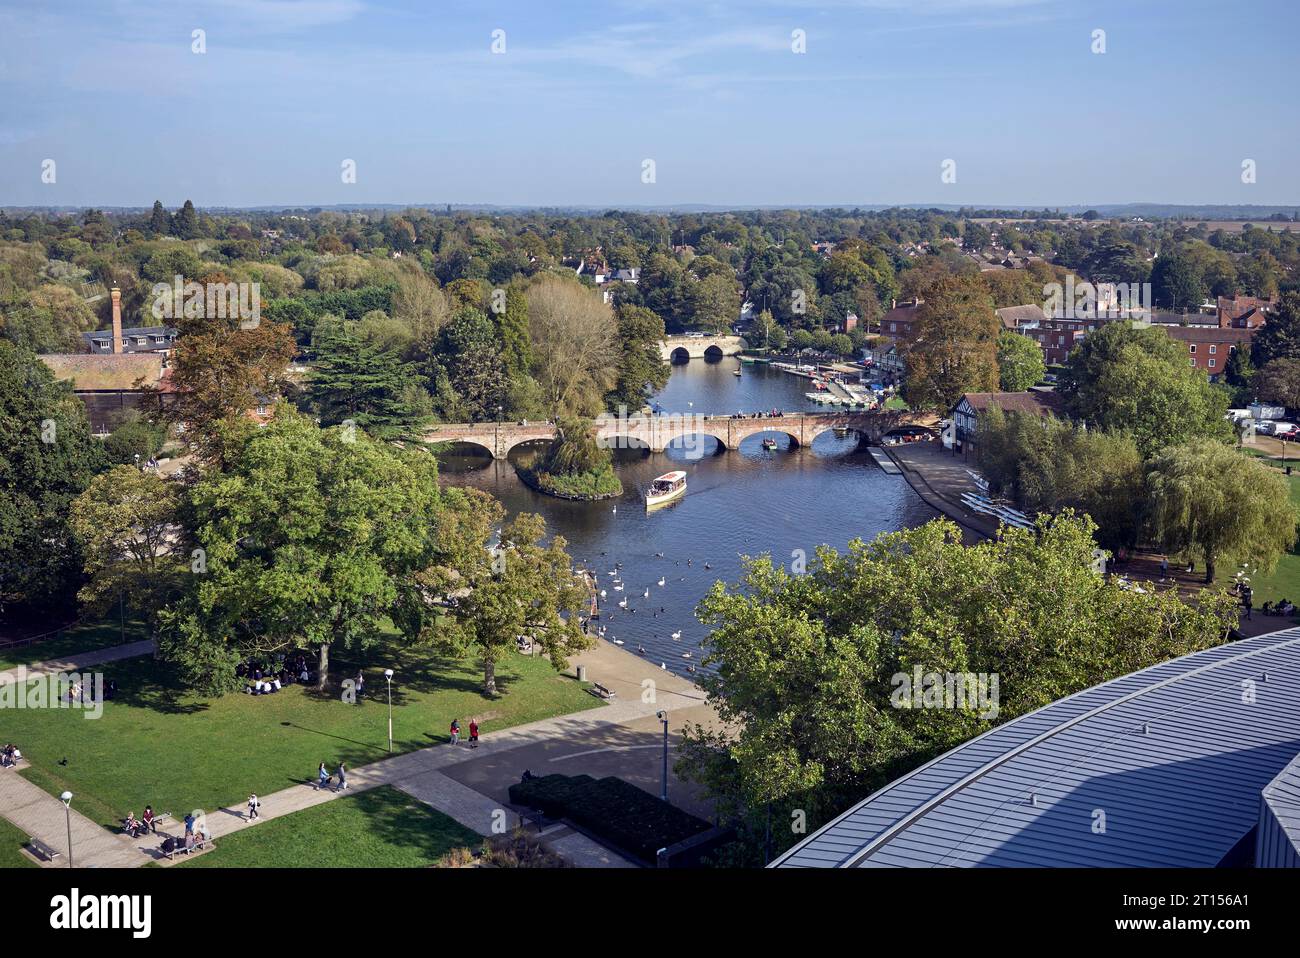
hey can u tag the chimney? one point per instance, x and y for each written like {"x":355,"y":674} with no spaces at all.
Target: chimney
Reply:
{"x":117,"y":319}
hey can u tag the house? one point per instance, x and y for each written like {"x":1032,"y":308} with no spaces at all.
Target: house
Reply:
{"x":135,"y":339}
{"x":1056,"y":336}
{"x":1208,"y":347}
{"x":632,"y":275}
{"x":1243,"y":312}
{"x":899,"y":321}
{"x":966,"y":414}
{"x":112,"y":383}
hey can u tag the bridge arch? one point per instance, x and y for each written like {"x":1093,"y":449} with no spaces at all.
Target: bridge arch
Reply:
{"x":475,"y":444}
{"x":713,"y":352}
{"x":679,"y":355}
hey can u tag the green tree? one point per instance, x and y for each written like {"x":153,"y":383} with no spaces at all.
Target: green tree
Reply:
{"x":469,"y":369}
{"x":806,"y":668}
{"x":159,"y":221}
{"x":487,"y":594}
{"x":47,"y":458}
{"x":641,"y":366}
{"x":1213,"y":499}
{"x":185,"y":224}
{"x":128,"y":524}
{"x":353,"y":380}
{"x":1239,"y":375}
{"x":1279,"y":382}
{"x":1137,"y":380}
{"x":310,"y":538}
{"x":134,"y":439}
{"x":1020,"y":362}
{"x":1279,"y":338}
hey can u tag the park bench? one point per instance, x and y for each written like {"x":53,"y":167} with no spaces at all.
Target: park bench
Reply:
{"x":200,"y":845}
{"x":43,"y":851}
{"x":601,"y":692}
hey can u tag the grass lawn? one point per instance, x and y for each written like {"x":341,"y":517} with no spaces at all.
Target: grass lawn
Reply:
{"x":379,"y":828}
{"x":179,"y":751}
{"x":79,"y":638}
{"x":12,"y":839}
{"x":895,"y":402}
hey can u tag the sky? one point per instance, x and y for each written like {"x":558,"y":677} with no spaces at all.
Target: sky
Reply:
{"x":711,"y":92}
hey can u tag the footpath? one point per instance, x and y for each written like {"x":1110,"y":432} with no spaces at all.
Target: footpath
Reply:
{"x":436,"y":775}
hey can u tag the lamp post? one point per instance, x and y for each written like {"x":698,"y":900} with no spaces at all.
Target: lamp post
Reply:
{"x":663,"y":717}
{"x":388,"y":676}
{"x":67,"y":813}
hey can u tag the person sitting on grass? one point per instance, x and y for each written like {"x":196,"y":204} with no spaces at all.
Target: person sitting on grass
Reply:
{"x":9,"y":756}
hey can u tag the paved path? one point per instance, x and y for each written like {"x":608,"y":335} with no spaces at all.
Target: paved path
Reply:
{"x":940,"y":478}
{"x":43,"y":816}
{"x":423,"y":774}
{"x":79,"y":662}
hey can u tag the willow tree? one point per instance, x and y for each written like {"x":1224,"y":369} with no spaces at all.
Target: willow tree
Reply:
{"x":575,"y":345}
{"x":1210,"y":498}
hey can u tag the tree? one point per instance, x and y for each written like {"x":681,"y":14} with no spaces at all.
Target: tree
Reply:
{"x":1177,"y":282}
{"x":159,"y":221}
{"x":1020,"y":362}
{"x":494,"y":593}
{"x":309,"y":538}
{"x":134,"y":439}
{"x":47,"y":458}
{"x":185,"y":225}
{"x":1279,"y":338}
{"x":353,"y":380}
{"x":641,"y":366}
{"x":1279,"y":382}
{"x":128,"y":525}
{"x":954,"y":347}
{"x":797,"y":656}
{"x":1213,"y":499}
{"x":1048,"y":465}
{"x":51,"y":320}
{"x":1239,"y":374}
{"x":220,"y":373}
{"x":1137,"y":380}
{"x":468,"y":372}
{"x":575,"y":345}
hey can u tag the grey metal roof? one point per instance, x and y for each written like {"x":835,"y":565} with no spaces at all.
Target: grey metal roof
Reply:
{"x":1180,"y":792}
{"x":1279,"y":841}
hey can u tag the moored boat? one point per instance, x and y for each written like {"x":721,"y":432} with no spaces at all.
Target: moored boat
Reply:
{"x":769,"y":443}
{"x":666,"y":488}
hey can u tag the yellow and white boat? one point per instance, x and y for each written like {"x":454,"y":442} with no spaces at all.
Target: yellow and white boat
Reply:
{"x":669,"y":486}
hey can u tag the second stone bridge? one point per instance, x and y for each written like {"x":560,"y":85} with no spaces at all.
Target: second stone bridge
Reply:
{"x":656,"y":433}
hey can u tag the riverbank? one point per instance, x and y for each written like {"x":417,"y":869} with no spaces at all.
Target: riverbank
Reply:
{"x":533,"y":481}
{"x":940,"y":479}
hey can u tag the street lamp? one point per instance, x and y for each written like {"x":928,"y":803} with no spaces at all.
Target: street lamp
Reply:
{"x":388,"y":675}
{"x":663,"y":717}
{"x":67,"y":813}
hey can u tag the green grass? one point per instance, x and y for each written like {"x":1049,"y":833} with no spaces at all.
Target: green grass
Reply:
{"x":894,"y":402}
{"x":379,"y":828}
{"x":177,"y":751}
{"x":11,"y":840}
{"x":89,"y":637}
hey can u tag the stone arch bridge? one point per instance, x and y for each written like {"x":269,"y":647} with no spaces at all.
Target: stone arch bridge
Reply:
{"x":676,"y":348}
{"x":657,"y":432}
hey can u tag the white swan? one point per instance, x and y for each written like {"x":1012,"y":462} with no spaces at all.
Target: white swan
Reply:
{"x":622,"y":603}
{"x":661,"y":582}
{"x":645,"y":594}
{"x":677,"y":634}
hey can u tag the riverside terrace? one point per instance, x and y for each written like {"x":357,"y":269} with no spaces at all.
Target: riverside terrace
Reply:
{"x":657,"y":432}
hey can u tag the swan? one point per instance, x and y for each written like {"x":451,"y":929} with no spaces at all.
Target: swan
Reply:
{"x":622,"y":603}
{"x":661,"y":582}
{"x":663,"y":666}
{"x":686,"y":655}
{"x":602,"y":593}
{"x":645,"y":594}
{"x":618,"y":641}
{"x":677,"y":634}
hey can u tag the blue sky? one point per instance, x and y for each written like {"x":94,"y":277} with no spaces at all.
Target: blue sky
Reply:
{"x":708,"y":89}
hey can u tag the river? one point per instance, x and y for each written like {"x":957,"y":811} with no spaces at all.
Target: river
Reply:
{"x":738,"y":502}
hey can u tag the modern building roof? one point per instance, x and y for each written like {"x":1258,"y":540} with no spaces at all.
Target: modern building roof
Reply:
{"x":1174,"y":757}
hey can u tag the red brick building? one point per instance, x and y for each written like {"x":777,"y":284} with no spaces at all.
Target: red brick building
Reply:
{"x":1208,"y":348}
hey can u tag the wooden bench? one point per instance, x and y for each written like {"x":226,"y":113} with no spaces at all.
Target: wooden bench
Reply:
{"x":43,"y":851}
{"x":200,"y":845}
{"x":601,"y":692}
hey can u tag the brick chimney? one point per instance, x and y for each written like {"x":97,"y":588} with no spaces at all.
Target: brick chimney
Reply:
{"x":117,"y":319}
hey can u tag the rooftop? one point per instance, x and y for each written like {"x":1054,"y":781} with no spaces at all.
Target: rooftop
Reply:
{"x":1175,"y":757}
{"x":107,"y":371}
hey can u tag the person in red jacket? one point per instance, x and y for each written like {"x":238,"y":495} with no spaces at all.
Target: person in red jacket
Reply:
{"x":473,"y":733}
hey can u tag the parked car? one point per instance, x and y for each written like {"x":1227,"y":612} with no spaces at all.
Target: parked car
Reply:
{"x":1289,"y":434}
{"x":1275,"y":427}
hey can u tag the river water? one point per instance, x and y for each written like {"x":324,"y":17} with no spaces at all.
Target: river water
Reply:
{"x":738,"y":502}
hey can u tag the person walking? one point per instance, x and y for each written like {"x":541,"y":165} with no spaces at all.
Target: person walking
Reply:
{"x":189,"y":824}
{"x":361,"y":684}
{"x":455,"y":732}
{"x":1164,"y":568}
{"x":1247,"y":600}
{"x":342,"y":774}
{"x":322,"y":777}
{"x":473,"y":733}
{"x":254,"y":803}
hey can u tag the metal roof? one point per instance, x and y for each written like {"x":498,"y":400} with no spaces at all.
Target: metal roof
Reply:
{"x":1174,"y":757}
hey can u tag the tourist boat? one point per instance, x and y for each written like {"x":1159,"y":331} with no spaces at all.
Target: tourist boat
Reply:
{"x":769,"y":443}
{"x":666,"y":488}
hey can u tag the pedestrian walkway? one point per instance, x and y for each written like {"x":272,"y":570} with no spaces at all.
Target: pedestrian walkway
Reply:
{"x":940,"y":479}
{"x":44,"y":817}
{"x":79,"y":662}
{"x":641,"y":690}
